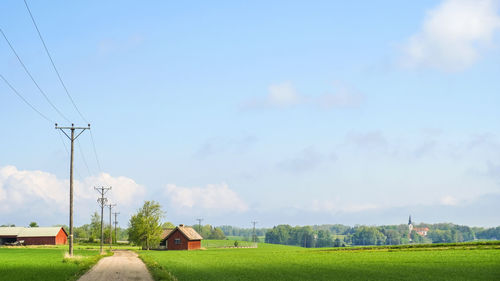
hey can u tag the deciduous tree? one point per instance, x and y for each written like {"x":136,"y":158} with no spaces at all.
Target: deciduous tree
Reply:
{"x":145,"y":226}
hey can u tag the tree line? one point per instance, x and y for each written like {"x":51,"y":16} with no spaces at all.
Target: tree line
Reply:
{"x":341,"y":235}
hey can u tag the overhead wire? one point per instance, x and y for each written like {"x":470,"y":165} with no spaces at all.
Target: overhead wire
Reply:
{"x":62,"y":83}
{"x":24,"y":99}
{"x":83,"y":157}
{"x":31,"y":77}
{"x":53,"y":64}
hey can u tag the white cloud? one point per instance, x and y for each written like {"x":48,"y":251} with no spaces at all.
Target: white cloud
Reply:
{"x":308,"y":159}
{"x":213,"y":197}
{"x":22,"y":187}
{"x":124,"y":190}
{"x":449,"y":200}
{"x":368,"y":140}
{"x":283,"y":95}
{"x":37,"y":192}
{"x":453,"y":35}
{"x":336,"y":206}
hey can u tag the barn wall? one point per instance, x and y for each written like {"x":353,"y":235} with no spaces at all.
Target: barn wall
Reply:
{"x":38,"y":240}
{"x":171,"y":241}
{"x":61,"y":237}
{"x":194,"y":245}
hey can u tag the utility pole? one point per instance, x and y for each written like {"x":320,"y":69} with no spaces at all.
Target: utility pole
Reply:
{"x":199,"y":225}
{"x":254,"y":236}
{"x":102,"y":202}
{"x":72,"y":138}
{"x":116,"y":222}
{"x":110,"y":225}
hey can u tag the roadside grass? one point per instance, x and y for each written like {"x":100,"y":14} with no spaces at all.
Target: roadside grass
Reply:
{"x":45,"y":263}
{"x":458,"y":261}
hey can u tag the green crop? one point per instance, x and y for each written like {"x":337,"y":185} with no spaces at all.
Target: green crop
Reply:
{"x":276,"y":262}
{"x":44,"y":263}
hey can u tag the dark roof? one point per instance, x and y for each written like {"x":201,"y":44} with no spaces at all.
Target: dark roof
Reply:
{"x":187,"y":231}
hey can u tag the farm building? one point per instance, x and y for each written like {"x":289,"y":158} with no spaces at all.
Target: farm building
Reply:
{"x":181,"y":238}
{"x":422,"y":231}
{"x":33,"y":235}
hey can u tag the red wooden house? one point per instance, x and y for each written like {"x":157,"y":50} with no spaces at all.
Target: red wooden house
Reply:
{"x":181,"y":238}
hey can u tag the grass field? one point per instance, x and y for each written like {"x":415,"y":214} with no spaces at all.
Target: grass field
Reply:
{"x":275,"y":262}
{"x":224,"y":243}
{"x":44,"y":263}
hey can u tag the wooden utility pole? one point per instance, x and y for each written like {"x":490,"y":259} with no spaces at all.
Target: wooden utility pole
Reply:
{"x":254,"y":236}
{"x":72,"y":138}
{"x":102,"y":202}
{"x":110,"y":226}
{"x":116,"y":222}
{"x":199,"y":225}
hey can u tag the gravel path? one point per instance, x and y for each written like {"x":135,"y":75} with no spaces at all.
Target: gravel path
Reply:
{"x":122,"y":266}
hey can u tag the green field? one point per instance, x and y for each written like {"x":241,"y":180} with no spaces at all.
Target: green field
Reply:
{"x":224,"y":243}
{"x":44,"y":263}
{"x":276,"y":262}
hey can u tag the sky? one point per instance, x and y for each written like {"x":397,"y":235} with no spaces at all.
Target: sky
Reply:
{"x":282,"y":112}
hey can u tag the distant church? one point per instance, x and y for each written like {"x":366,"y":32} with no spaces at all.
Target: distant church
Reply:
{"x":422,"y":231}
{"x":410,"y":228}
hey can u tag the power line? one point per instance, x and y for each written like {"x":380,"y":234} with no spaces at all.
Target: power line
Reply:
{"x":31,"y":77}
{"x":53,"y":64}
{"x":95,"y":152}
{"x":61,"y":80}
{"x":23,"y":99}
{"x":83,"y":157}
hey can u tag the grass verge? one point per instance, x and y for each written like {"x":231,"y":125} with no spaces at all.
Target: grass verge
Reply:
{"x":158,"y":272}
{"x":84,"y":263}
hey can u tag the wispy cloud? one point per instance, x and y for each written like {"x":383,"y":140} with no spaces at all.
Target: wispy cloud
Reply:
{"x":450,"y":200}
{"x":336,"y":206}
{"x":368,"y":140}
{"x":211,"y":198}
{"x":219,"y":145}
{"x":453,"y":35}
{"x":284,"y":95}
{"x":306,"y":160}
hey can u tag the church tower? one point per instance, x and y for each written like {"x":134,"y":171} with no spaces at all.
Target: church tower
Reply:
{"x":410,"y":228}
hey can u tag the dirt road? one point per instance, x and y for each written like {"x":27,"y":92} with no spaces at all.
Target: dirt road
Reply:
{"x":122,"y":266}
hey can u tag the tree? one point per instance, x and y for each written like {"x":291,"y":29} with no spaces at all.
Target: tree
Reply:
{"x":95,"y":227}
{"x":337,"y":243}
{"x":145,"y":226}
{"x":393,"y":237}
{"x":367,"y":235}
{"x":167,"y":225}
{"x":33,"y":224}
{"x":217,"y":234}
{"x":325,"y":239}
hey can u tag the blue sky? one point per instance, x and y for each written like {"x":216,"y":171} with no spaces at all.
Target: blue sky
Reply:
{"x":285,"y":112}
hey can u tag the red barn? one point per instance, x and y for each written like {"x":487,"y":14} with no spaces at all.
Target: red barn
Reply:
{"x":34,"y":235}
{"x":181,"y":238}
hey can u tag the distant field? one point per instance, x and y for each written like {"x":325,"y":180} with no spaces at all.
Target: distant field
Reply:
{"x":224,"y":243}
{"x":276,"y":262}
{"x":43,"y":263}
{"x":240,"y":238}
